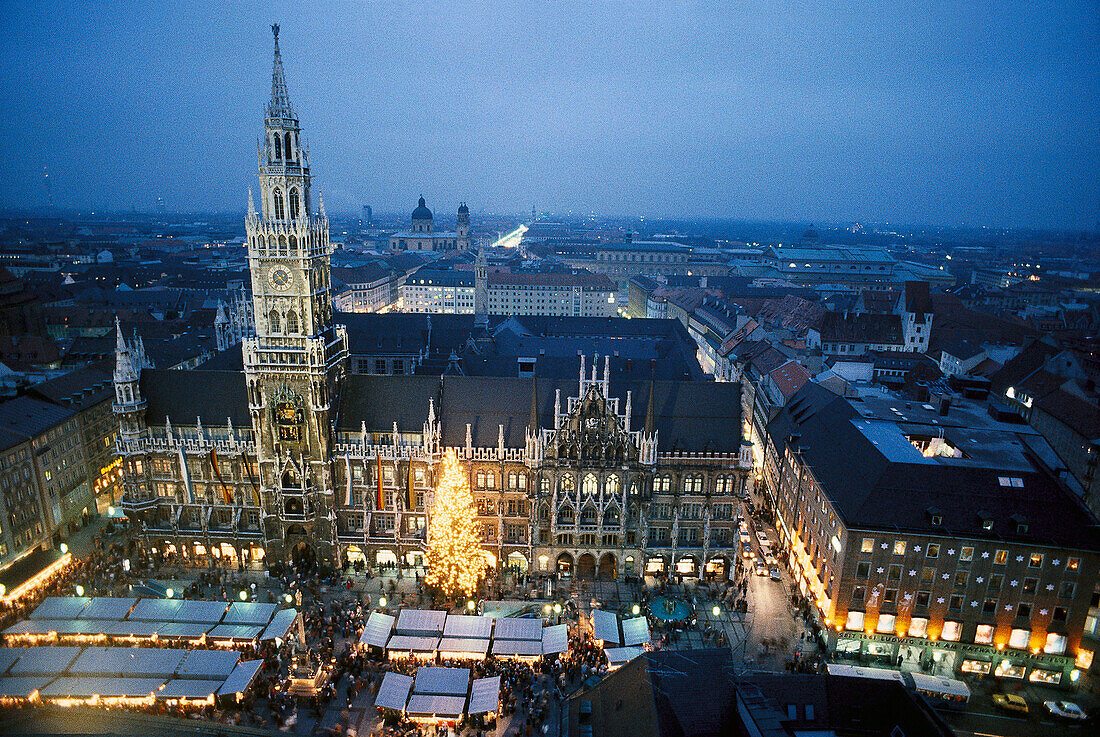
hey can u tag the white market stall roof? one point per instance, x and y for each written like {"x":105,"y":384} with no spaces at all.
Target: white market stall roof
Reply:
{"x":249,"y":612}
{"x":412,"y":644}
{"x":208,"y":664}
{"x":394,"y":691}
{"x":422,"y":622}
{"x":435,"y":705}
{"x":605,"y":626}
{"x":156,"y":610}
{"x":484,"y":695}
{"x":105,"y":607}
{"x":447,"y":681}
{"x":617,"y":656}
{"x":280,"y":624}
{"x":235,"y":632}
{"x":199,"y":611}
{"x":524,"y":648}
{"x":186,"y":688}
{"x":377,"y":630}
{"x":516,"y":628}
{"x":21,"y":687}
{"x":61,"y":607}
{"x":44,"y":661}
{"x":127,"y":662}
{"x":463,"y":646}
{"x":465,"y":625}
{"x":635,"y":631}
{"x":182,"y":630}
{"x":241,"y":677}
{"x":34,"y":627}
{"x":85,"y":686}
{"x":9,"y":655}
{"x":555,"y":639}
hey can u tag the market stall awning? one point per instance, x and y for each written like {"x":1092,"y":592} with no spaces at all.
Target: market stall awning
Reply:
{"x":522,"y":648}
{"x":186,"y":688}
{"x":156,"y":610}
{"x":555,"y":639}
{"x":394,"y":691}
{"x":128,"y":662}
{"x":43,"y":661}
{"x":434,"y":705}
{"x":280,"y":624}
{"x":61,"y":607}
{"x":83,"y":687}
{"x":617,"y":656}
{"x":249,"y":612}
{"x":377,"y":630}
{"x":30,"y":571}
{"x":208,"y":664}
{"x":463,"y":646}
{"x":465,"y":625}
{"x":198,"y":611}
{"x":403,"y":643}
{"x":422,"y":622}
{"x":35,"y":627}
{"x":21,"y":687}
{"x":241,"y":677}
{"x":484,"y":695}
{"x":448,"y":681}
{"x":104,"y":607}
{"x":605,"y":626}
{"x":8,"y":655}
{"x":518,"y":628}
{"x":182,"y":630}
{"x":235,"y":632}
{"x":636,"y":631}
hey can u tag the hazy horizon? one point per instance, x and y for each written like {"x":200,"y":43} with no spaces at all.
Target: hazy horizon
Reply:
{"x":926,"y":116}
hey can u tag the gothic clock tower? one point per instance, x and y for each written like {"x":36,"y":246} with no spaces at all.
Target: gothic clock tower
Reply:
{"x":296,"y":360}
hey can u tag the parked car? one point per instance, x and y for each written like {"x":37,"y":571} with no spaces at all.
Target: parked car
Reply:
{"x":1010,"y":702}
{"x":746,"y":550}
{"x":744,"y":538}
{"x":1066,"y":710}
{"x":762,"y":537}
{"x":761,"y":569}
{"x":773,"y":571}
{"x":743,"y":527}
{"x":771,"y":560}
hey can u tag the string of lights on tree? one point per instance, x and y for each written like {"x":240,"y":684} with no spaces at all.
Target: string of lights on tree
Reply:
{"x":455,"y":560}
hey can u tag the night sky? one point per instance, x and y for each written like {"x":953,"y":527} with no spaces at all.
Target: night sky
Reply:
{"x":944,"y":113}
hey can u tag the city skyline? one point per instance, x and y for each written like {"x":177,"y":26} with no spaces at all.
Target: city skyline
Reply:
{"x":483,"y":107}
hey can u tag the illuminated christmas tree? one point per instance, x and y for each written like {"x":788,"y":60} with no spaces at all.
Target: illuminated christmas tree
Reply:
{"x":455,"y":560}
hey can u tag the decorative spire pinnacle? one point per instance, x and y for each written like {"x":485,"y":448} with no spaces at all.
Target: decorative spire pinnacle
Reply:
{"x":279,"y":107}
{"x":251,"y":204}
{"x":321,"y":200}
{"x":120,"y":341}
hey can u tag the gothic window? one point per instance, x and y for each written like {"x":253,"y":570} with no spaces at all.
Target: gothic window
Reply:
{"x":289,"y":150}
{"x":589,"y":485}
{"x":292,"y":322}
{"x":278,"y":197}
{"x":278,"y":147}
{"x":565,"y":516}
{"x":566,"y":484}
{"x":611,"y":516}
{"x":662,"y":484}
{"x":293,"y":239}
{"x":588,"y":515}
{"x":293,"y":204}
{"x":282,"y":244}
{"x":693,"y":484}
{"x":612,"y":485}
{"x":273,"y":321}
{"x":290,"y":480}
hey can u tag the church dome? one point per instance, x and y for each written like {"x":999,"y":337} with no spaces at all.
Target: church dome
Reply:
{"x":421,"y":212}
{"x":463,"y":210}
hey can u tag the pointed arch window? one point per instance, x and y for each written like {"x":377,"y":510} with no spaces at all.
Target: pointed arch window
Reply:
{"x":294,"y":203}
{"x":278,"y":197}
{"x":589,"y":485}
{"x":566,"y":515}
{"x":611,"y":516}
{"x":612,"y":486}
{"x":278,"y":144}
{"x":293,"y":239}
{"x":292,"y":322}
{"x":289,"y":150}
{"x":567,"y":483}
{"x":273,"y":321}
{"x":282,"y":245}
{"x":588,"y":515}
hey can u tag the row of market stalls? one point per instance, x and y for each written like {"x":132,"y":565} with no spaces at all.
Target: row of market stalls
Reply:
{"x":439,"y":695}
{"x":122,"y":676}
{"x":622,"y":639}
{"x":424,"y":634}
{"x":84,"y":620}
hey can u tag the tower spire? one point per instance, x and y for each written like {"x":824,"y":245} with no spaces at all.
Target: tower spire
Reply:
{"x":279,"y":107}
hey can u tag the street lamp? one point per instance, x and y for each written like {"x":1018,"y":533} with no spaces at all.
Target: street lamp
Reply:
{"x":471,"y":605}
{"x":557,"y":608}
{"x":244,"y":595}
{"x":63,"y":547}
{"x":169,"y":593}
{"x":288,"y":598}
{"x":546,"y":609}
{"x":635,"y":610}
{"x":382,"y":602}
{"x":79,"y":590}
{"x":716,"y":611}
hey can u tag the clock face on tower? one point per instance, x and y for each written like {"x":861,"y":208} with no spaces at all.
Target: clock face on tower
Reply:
{"x":280,"y":278}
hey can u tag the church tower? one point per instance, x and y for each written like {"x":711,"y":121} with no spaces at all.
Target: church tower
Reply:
{"x":462,"y":223}
{"x":298,"y":356}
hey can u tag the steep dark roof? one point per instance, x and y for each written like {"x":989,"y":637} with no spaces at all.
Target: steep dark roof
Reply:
{"x":917,"y":299}
{"x":1076,"y":413}
{"x":862,"y":328}
{"x":1025,"y":363}
{"x":378,"y":401}
{"x":403,"y":332}
{"x":78,"y":389}
{"x":24,"y":418}
{"x":184,"y":395}
{"x":878,"y":480}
